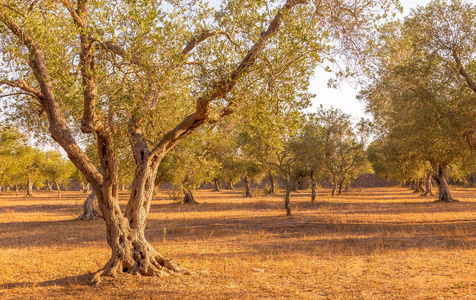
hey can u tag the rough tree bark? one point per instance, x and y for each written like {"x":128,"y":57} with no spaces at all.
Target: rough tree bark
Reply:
{"x":90,"y":208}
{"x":29,"y":188}
{"x":16,"y":190}
{"x":444,"y":194}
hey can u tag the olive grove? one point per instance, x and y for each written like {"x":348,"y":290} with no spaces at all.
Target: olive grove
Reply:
{"x":149,"y":73}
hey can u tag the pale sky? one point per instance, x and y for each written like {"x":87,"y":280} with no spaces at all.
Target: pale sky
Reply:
{"x":344,"y":97}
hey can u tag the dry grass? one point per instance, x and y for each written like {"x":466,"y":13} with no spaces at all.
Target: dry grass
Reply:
{"x":368,"y":244}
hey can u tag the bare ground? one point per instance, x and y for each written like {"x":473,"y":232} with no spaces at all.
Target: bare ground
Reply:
{"x":385,"y":243}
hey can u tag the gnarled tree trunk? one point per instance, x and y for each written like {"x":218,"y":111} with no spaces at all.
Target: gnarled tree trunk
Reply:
{"x":131,"y":252}
{"x":90,"y":208}
{"x":444,"y":193}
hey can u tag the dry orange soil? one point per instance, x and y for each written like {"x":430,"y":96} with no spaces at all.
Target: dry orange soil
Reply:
{"x":367,"y":244}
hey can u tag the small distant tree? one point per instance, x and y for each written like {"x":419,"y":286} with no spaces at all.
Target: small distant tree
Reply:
{"x":11,"y":144}
{"x":344,"y":155}
{"x":309,"y":147}
{"x":56,"y":169}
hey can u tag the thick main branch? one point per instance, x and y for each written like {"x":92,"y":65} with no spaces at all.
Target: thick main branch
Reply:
{"x":462,"y":70}
{"x":57,"y":124}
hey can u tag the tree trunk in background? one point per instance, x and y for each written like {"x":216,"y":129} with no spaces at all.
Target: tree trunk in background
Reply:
{"x":58,"y":188}
{"x":29,"y":189}
{"x":90,"y":208}
{"x":313,"y":189}
{"x":412,"y":185}
{"x":300,"y":184}
{"x":340,"y":186}
{"x":49,"y":186}
{"x":86,"y":188}
{"x":16,"y":190}
{"x":334,"y":182}
{"x":271,"y":184}
{"x":247,"y":187}
{"x":294,"y":185}
{"x":444,"y":193}
{"x":156,"y":190}
{"x":188,"y":197}
{"x":471,"y":179}
{"x":217,"y":186}
{"x":428,"y":187}
{"x":287,"y":197}
{"x":417,"y":186}
{"x":229,"y":185}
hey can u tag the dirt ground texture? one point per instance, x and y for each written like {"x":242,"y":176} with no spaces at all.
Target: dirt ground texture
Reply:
{"x":374,"y":243}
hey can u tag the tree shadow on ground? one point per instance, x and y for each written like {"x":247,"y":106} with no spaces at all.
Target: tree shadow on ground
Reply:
{"x":81,"y":280}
